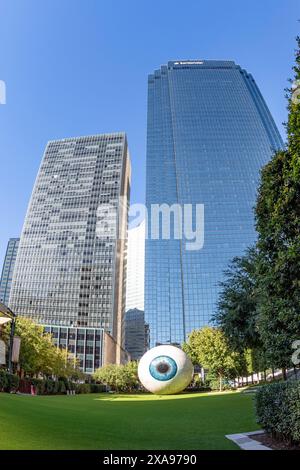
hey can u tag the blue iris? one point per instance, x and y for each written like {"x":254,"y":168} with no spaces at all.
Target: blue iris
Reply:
{"x":163,"y":368}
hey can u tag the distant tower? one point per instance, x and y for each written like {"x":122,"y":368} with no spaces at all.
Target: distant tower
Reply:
{"x":67,"y":276}
{"x":136,"y":333}
{"x":135,"y":267}
{"x":209,"y":134}
{"x":136,"y":330}
{"x":8,"y":269}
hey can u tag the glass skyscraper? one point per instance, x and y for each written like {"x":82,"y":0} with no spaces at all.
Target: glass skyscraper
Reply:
{"x":8,"y":269}
{"x":66,"y":275}
{"x":135,"y":268}
{"x":209,"y":133}
{"x":136,"y":333}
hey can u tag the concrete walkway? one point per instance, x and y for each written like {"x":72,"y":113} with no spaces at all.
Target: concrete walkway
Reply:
{"x":244,"y":441}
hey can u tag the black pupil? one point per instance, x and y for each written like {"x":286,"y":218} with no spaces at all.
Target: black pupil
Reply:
{"x":162,"y":367}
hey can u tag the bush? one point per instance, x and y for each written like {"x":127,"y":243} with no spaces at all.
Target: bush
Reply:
{"x":56,"y":387}
{"x":45,"y":387}
{"x":3,"y":380}
{"x":12,"y":383}
{"x":52,"y":387}
{"x":61,"y":387}
{"x":97,"y":388}
{"x":8,"y":382}
{"x":83,"y":388}
{"x":41,"y":388}
{"x":278,"y":410}
{"x":212,"y":382}
{"x":49,"y":387}
{"x":198,"y":385}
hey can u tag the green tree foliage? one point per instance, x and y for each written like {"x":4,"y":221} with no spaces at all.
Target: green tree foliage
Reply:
{"x":209,"y":347}
{"x":131,"y":375}
{"x":39,"y":355}
{"x":122,"y":378}
{"x":238,"y":303}
{"x":259,"y":304}
{"x":278,"y":226}
{"x":238,"y":311}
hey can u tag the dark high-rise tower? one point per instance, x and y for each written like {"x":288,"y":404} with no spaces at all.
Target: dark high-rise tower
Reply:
{"x":209,"y":133}
{"x":67,"y":272}
{"x":8,"y":269}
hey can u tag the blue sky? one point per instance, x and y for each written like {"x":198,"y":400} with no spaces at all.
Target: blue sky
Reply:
{"x":79,"y":67}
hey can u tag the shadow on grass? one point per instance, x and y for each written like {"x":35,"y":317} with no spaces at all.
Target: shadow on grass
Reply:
{"x":149,"y":397}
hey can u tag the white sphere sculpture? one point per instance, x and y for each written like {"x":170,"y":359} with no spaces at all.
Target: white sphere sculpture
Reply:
{"x":165,"y":370}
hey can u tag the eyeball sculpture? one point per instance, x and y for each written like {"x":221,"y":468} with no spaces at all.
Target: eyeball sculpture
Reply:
{"x":165,"y":370}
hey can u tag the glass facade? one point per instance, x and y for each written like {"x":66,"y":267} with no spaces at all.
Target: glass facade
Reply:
{"x":65,"y":273}
{"x":135,"y":268}
{"x":85,"y":343}
{"x":8,"y":269}
{"x":209,"y":133}
{"x":136,"y":333}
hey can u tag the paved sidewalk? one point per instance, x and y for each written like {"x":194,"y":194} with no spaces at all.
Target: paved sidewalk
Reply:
{"x":244,"y":441}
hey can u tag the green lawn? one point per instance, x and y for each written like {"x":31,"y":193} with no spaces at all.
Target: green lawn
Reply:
{"x":193,"y":421}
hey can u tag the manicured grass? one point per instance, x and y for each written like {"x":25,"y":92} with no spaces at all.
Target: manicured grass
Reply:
{"x":188,"y":421}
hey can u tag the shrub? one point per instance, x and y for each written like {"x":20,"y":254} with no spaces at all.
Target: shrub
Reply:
{"x":97,"y":388}
{"x":8,"y":382}
{"x":41,"y":387}
{"x":49,"y":387}
{"x":13,"y":383}
{"x":61,"y":387}
{"x":82,"y":388}
{"x":278,"y":410}
{"x":3,"y":380}
{"x":212,"y":382}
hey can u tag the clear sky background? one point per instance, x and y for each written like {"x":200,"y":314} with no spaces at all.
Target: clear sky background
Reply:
{"x":79,"y":67}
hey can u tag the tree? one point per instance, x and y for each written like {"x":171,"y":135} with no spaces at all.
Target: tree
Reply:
{"x":237,"y":308}
{"x":278,"y":226}
{"x":118,"y":377}
{"x":107,"y":375}
{"x":209,"y":347}
{"x":66,"y":365}
{"x":259,"y":303}
{"x":131,"y":375}
{"x":39,"y":355}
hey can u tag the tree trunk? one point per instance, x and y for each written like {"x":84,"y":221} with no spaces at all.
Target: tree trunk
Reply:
{"x":220,"y":383}
{"x":284,"y":373}
{"x":265,"y":375}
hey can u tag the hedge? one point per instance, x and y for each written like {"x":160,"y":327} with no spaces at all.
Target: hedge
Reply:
{"x":12,"y":383}
{"x":278,"y":410}
{"x":98,"y":388}
{"x":51,"y":387}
